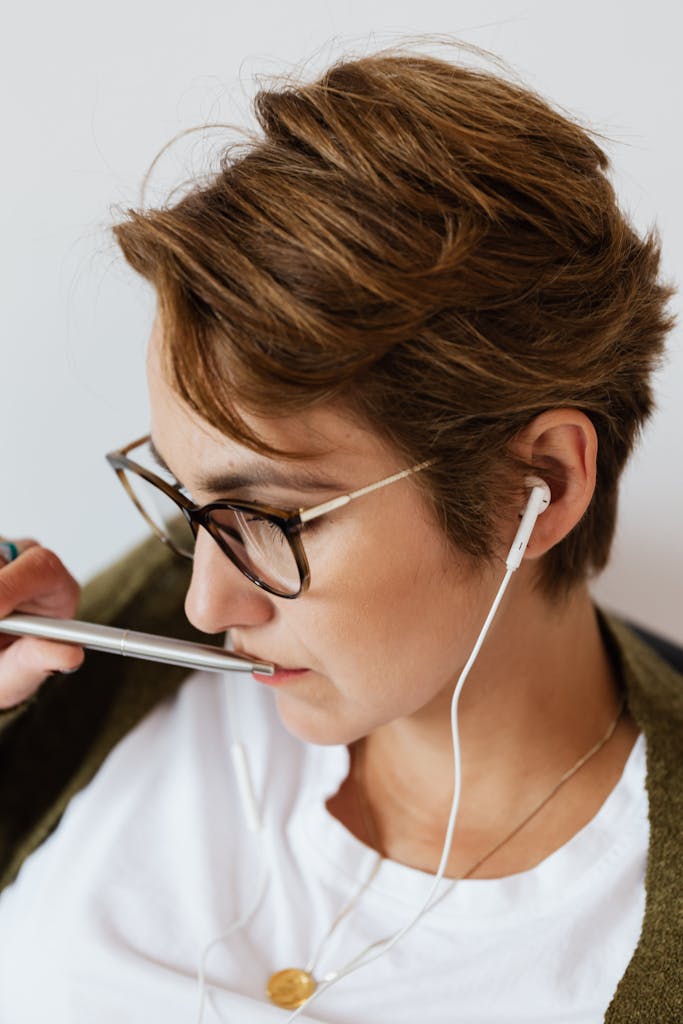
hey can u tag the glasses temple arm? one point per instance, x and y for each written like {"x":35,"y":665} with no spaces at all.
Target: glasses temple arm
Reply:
{"x":305,"y":515}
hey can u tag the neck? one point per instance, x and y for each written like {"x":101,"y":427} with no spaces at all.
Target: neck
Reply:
{"x":541,"y":694}
{"x":540,"y":689}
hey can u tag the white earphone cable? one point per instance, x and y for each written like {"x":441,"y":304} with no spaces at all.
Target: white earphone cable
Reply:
{"x":252,"y":816}
{"x":241,"y":922}
{"x":537,"y":503}
{"x":382,"y":946}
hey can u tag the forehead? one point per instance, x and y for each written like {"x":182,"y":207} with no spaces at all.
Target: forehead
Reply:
{"x":328,"y":435}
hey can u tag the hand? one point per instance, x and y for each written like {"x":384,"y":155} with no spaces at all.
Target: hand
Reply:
{"x":35,"y":581}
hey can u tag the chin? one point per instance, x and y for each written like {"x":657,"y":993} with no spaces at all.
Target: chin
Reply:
{"x":314,"y":723}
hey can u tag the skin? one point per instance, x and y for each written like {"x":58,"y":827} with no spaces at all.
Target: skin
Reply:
{"x":390,"y":619}
{"x":38,"y":583}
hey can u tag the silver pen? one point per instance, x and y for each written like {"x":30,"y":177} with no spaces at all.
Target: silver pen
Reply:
{"x":133,"y":645}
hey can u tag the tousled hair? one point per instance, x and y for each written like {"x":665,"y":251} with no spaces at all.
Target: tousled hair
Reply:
{"x":437,"y":250}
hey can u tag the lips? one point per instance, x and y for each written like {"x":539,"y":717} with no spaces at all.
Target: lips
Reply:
{"x":280,"y":675}
{"x":280,"y":671}
{"x":268,"y":661}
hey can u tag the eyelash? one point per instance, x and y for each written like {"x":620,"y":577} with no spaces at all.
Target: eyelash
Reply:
{"x":310,"y":528}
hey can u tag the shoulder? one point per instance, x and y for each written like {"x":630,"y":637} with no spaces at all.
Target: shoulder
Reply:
{"x":654,"y":691}
{"x":52,"y":748}
{"x":654,"y":686}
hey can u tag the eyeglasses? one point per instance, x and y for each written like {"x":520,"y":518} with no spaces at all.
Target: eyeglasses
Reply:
{"x":262,"y":541}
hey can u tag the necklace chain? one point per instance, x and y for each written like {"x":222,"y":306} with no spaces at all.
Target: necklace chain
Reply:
{"x":291,"y":987}
{"x":548,"y":797}
{"x":370,"y":826}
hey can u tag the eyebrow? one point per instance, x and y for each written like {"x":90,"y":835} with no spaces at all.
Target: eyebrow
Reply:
{"x":257,"y":475}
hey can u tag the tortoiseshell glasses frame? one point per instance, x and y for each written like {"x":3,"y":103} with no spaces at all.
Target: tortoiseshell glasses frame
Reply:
{"x":288,"y":523}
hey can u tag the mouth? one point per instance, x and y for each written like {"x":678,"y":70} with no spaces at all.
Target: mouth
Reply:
{"x":280,"y":675}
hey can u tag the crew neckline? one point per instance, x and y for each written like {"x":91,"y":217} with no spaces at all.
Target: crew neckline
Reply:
{"x":539,"y":891}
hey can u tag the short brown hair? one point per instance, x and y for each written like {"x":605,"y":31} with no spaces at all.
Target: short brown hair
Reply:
{"x":436,"y":248}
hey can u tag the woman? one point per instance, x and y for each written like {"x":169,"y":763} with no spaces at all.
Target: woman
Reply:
{"x":419,"y":279}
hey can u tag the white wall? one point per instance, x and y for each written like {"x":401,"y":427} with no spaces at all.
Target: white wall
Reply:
{"x":89,"y":95}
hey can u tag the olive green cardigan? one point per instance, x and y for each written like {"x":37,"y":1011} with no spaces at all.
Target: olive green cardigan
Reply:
{"x":52,"y":746}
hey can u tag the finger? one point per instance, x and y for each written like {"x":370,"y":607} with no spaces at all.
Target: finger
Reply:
{"x":10,"y":549}
{"x":28,"y":663}
{"x":37,"y":582}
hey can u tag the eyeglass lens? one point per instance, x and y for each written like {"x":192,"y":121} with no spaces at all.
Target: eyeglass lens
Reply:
{"x":162,"y":513}
{"x":258,"y":545}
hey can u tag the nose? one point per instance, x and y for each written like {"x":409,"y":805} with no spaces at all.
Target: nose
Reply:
{"x":220,"y":597}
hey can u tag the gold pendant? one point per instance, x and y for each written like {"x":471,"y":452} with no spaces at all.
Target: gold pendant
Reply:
{"x":290,"y":988}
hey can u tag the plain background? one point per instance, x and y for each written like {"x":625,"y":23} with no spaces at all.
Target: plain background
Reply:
{"x":89,"y":96}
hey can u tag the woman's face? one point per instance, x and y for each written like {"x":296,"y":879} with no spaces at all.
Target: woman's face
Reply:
{"x":391,"y":612}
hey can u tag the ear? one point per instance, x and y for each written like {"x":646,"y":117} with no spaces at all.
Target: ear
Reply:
{"x":563,"y":445}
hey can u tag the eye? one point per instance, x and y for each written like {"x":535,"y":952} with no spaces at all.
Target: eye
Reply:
{"x":246,"y":527}
{"x":259,"y":526}
{"x":230,"y":531}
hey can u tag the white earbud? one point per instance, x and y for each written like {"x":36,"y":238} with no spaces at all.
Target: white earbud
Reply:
{"x":539,"y":499}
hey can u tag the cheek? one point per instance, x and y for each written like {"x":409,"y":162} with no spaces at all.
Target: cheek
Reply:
{"x":387,"y":618}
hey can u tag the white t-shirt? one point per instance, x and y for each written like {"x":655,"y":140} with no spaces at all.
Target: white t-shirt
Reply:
{"x":107,"y":920}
